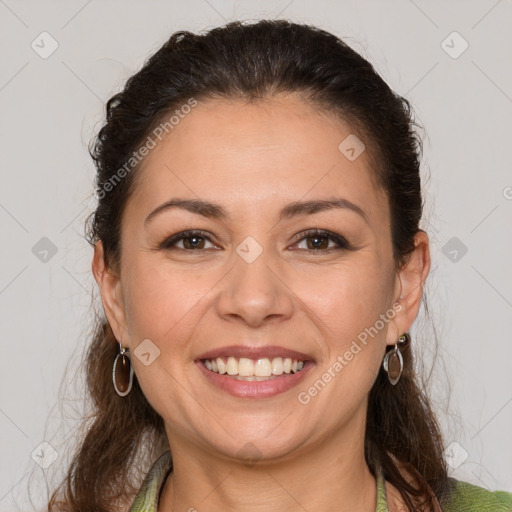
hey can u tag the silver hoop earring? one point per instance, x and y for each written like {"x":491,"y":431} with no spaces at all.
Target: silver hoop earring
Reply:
{"x":122,"y":372}
{"x":393,"y":361}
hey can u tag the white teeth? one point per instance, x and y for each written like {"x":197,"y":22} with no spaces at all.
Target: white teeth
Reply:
{"x":246,"y":367}
{"x":277,"y":366}
{"x":232,"y":366}
{"x":262,"y":368}
{"x":221,"y":365}
{"x":254,"y":369}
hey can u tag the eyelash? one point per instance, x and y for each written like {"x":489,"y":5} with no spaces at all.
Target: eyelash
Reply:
{"x":169,"y":242}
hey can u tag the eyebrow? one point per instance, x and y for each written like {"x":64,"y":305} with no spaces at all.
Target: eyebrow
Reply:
{"x":215,"y":211}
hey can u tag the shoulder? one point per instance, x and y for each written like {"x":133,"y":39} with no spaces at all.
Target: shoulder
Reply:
{"x":466,"y":497}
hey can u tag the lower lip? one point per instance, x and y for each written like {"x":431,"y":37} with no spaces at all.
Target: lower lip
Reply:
{"x":256,"y":389}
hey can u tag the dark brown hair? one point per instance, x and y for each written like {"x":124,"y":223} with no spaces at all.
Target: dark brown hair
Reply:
{"x":250,"y":62}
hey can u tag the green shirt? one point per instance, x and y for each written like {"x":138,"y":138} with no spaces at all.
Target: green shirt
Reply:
{"x":466,"y":497}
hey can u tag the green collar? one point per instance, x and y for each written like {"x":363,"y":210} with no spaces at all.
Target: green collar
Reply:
{"x":147,"y":497}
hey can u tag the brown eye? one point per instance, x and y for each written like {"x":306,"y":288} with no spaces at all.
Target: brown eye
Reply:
{"x":318,"y":241}
{"x":192,"y":240}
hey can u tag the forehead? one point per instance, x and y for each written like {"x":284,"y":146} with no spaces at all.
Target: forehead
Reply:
{"x":249,"y":155}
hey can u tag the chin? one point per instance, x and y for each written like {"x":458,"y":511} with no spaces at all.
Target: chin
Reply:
{"x":258,"y":445}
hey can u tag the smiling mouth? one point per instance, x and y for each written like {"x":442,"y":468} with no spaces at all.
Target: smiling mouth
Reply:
{"x":260,"y":369}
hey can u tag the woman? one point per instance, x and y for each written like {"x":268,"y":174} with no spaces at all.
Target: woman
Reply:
{"x":260,"y":262}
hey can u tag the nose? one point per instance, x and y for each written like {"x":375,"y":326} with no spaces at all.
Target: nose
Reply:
{"x":255,"y":292}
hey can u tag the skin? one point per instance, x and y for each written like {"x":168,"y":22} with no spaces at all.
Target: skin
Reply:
{"x":253,"y":159}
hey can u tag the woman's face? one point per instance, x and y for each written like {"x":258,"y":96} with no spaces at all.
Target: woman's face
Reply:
{"x":255,"y":279}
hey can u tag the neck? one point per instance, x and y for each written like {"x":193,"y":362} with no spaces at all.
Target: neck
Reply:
{"x":331,"y":475}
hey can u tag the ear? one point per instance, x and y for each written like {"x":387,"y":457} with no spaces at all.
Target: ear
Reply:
{"x":109,"y":284}
{"x":409,"y":288}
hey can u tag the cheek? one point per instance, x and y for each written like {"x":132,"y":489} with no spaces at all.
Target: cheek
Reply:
{"x":164,"y":306}
{"x":350,"y":298}
{"x":161,"y":300}
{"x":350,"y":309}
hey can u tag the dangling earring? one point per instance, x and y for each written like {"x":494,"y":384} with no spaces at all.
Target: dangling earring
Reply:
{"x":122,"y":372}
{"x":393,"y":361}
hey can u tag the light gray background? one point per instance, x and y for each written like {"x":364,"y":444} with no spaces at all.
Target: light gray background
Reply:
{"x":51,"y":107}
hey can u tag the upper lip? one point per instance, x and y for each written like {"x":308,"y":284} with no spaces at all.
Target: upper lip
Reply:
{"x":254,"y":352}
